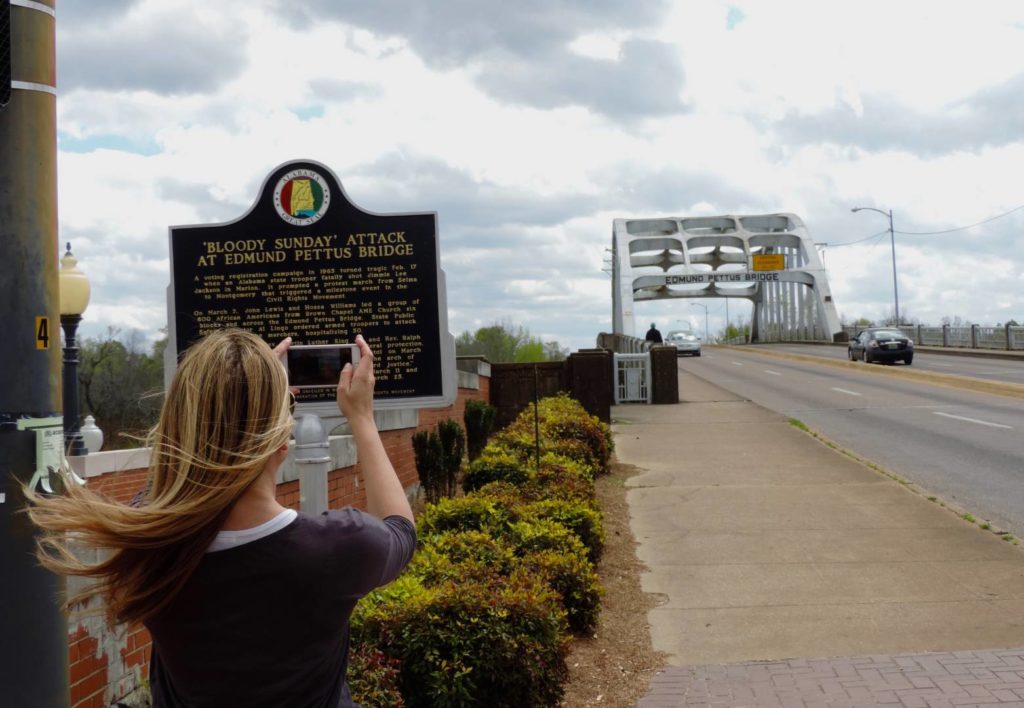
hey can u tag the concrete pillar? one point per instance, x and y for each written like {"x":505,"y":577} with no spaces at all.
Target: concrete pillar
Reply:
{"x":664,"y":374}
{"x":592,"y":381}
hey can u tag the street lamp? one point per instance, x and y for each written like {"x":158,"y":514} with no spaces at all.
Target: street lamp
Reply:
{"x":698,"y":304}
{"x":74,"y":298}
{"x":892,"y":242}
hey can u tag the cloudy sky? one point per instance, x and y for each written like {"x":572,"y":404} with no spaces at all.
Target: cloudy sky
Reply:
{"x":528,"y":126}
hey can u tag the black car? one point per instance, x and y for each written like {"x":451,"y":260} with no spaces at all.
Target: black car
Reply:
{"x":881,"y":344}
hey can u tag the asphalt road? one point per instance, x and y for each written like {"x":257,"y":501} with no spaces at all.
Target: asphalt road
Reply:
{"x":964,"y":447}
{"x":978,"y":367}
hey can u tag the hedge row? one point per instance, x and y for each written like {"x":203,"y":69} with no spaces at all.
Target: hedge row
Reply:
{"x":503,"y":576}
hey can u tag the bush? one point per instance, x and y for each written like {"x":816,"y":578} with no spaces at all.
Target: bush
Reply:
{"x":502,"y":574}
{"x":579,"y":518}
{"x":373,"y":677}
{"x":556,"y":554}
{"x":475,"y":512}
{"x":565,"y":428}
{"x":426,"y":446}
{"x":479,"y":420}
{"x":453,"y":446}
{"x":573,"y":577}
{"x":457,"y":555}
{"x":491,"y":642}
{"x":495,"y":464}
{"x":439,"y":459}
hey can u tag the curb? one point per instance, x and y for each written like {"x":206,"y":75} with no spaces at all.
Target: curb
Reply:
{"x":1011,"y":390}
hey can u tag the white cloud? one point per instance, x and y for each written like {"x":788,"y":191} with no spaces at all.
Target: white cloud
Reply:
{"x":504,"y":128}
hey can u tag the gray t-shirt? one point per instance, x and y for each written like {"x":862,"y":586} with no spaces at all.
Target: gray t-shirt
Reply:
{"x":266,"y":623}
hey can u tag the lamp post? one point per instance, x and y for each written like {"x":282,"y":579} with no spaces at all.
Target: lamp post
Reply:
{"x":698,"y":304}
{"x":892,"y":242}
{"x":74,"y":298}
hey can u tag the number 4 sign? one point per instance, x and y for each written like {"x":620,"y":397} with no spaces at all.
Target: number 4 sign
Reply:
{"x":42,"y":332}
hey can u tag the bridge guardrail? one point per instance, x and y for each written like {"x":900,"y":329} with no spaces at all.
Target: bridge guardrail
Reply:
{"x":622,"y":343}
{"x":1007,"y":337}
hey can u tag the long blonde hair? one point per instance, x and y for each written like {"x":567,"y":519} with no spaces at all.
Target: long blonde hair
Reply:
{"x":224,"y":416}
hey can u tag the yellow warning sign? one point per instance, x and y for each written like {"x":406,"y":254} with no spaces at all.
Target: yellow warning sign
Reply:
{"x":42,"y":333}
{"x":769,"y":261}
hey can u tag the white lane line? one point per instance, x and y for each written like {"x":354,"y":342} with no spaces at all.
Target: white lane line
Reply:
{"x":773,"y":373}
{"x":947,"y":366}
{"x":736,"y":363}
{"x":973,"y":420}
{"x":843,"y":390}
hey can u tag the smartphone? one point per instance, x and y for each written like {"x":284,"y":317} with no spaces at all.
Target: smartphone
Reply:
{"x":319,"y":365}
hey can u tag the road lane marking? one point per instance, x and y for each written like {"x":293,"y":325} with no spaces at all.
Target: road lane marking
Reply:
{"x":773,"y":373}
{"x":736,"y":363}
{"x":948,"y":366}
{"x":973,"y":420}
{"x":843,"y":390}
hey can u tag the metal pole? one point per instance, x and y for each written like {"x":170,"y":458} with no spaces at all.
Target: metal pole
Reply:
{"x":34,"y":649}
{"x":536,"y":414}
{"x":72,"y":429}
{"x":895,"y":287}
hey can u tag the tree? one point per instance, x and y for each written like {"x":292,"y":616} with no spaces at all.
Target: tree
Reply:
{"x":736,"y":331}
{"x":121,"y":385}
{"x":505,"y":342}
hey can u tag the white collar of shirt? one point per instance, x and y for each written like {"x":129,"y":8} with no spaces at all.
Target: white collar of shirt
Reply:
{"x":233,"y":539}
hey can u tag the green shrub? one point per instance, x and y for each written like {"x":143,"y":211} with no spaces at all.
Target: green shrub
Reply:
{"x":565,"y":478}
{"x":489,"y":642}
{"x":579,"y":518}
{"x":479,"y":420}
{"x":565,"y":428}
{"x":453,"y":447}
{"x":573,"y":577}
{"x":474,"y":512}
{"x":495,"y":464}
{"x":373,"y":677}
{"x":429,"y":456}
{"x":457,"y":555}
{"x":554,"y":553}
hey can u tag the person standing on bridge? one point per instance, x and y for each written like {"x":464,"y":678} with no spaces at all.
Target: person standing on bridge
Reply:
{"x":653,"y":335}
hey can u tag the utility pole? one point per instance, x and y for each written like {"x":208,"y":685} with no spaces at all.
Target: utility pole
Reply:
{"x":34,"y":648}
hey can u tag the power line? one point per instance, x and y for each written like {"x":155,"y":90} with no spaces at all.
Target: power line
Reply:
{"x":959,"y":228}
{"x":860,"y":240}
{"x":929,"y":233}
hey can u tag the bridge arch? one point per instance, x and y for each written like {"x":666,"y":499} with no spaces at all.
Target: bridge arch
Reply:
{"x":768,"y":259}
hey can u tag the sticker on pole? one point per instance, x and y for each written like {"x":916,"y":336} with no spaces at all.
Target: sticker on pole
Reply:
{"x":42,"y":332}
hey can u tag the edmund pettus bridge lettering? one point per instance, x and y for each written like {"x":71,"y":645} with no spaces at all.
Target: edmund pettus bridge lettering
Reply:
{"x":736,"y":277}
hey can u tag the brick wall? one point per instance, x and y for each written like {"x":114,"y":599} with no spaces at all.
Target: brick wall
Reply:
{"x":107,"y":666}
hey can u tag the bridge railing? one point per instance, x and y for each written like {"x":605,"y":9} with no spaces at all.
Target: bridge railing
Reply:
{"x":970,"y":337}
{"x":622,"y":343}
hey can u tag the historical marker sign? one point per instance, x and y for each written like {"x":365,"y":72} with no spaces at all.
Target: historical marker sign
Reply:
{"x":306,"y":263}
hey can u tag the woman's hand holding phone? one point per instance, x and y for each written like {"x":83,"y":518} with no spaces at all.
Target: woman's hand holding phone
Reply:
{"x":355,"y":386}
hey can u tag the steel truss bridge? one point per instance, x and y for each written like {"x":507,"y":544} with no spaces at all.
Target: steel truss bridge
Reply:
{"x":768,"y":259}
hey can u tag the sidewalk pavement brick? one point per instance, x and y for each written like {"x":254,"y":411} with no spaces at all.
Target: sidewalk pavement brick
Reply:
{"x":962,"y":678}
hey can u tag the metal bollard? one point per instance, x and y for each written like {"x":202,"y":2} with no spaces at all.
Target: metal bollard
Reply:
{"x":312,"y":455}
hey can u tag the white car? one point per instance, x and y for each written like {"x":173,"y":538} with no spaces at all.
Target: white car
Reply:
{"x":684,"y":342}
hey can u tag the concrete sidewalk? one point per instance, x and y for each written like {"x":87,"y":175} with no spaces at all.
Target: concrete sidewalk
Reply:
{"x":765,"y":544}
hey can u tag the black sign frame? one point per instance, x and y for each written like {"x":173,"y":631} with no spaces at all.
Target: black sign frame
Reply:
{"x":304,"y":261}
